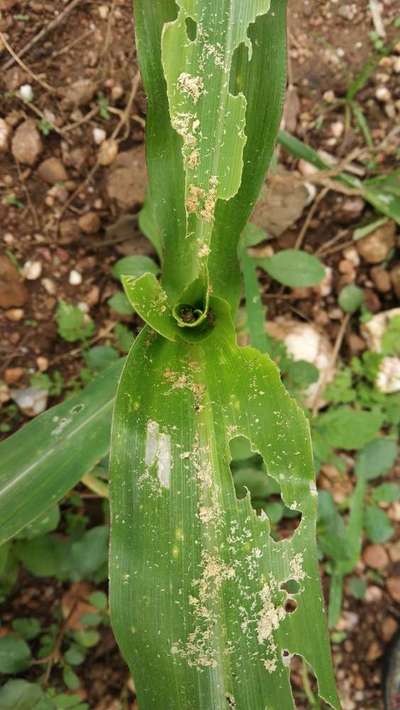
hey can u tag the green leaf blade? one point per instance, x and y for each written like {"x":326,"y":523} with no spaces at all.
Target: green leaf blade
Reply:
{"x":294,"y":268}
{"x":195,"y":576}
{"x":164,"y":155}
{"x":47,"y":457}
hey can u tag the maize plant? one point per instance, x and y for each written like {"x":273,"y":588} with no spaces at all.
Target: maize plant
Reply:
{"x":207,"y":607}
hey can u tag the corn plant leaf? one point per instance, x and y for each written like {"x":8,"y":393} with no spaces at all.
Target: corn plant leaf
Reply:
{"x":149,"y":300}
{"x":209,"y":119}
{"x":255,"y":311}
{"x":253,"y":49}
{"x":198,"y":597}
{"x":47,"y":457}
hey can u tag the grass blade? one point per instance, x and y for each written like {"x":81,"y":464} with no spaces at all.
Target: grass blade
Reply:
{"x":47,"y":457}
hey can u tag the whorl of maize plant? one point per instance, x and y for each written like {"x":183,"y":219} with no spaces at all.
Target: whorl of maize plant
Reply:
{"x":207,"y":607}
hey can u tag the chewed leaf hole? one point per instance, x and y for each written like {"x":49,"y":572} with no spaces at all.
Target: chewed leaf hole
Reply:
{"x":304,"y":685}
{"x":249,"y":474}
{"x":238,"y":71}
{"x":290,"y":605}
{"x":291,"y":586}
{"x":191,"y":29}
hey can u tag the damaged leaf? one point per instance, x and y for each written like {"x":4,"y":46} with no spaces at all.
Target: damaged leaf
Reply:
{"x":250,"y":49}
{"x":198,"y":586}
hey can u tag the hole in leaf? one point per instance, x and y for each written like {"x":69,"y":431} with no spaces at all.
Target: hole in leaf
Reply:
{"x":191,"y":29}
{"x":291,"y":586}
{"x":239,"y":68}
{"x":290,"y":605}
{"x":249,"y":474}
{"x":304,"y":685}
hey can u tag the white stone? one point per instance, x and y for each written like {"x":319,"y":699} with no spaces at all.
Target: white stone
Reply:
{"x":49,"y":286}
{"x":26,"y":92}
{"x":312,"y":192}
{"x":307,"y":169}
{"x":75,"y":278}
{"x":99,"y":135}
{"x":304,"y":342}
{"x":388,"y":379}
{"x":32,"y":270}
{"x":351,"y":254}
{"x":108,"y":152}
{"x":31,"y":401}
{"x":4,"y":135}
{"x":329,"y":97}
{"x":325,"y":286}
{"x":383,"y":94}
{"x":337,"y":129}
{"x":103,"y":11}
{"x":375,"y":328}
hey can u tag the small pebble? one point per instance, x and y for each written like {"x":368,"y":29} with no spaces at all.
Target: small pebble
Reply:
{"x":393,"y":586}
{"x":374,"y":652}
{"x":375,"y":556}
{"x":52,"y":171}
{"x":346,"y":267}
{"x":329,"y":97}
{"x":31,"y":401}
{"x":383,"y":94}
{"x":394,"y":551}
{"x":306,"y":168}
{"x":5,"y":394}
{"x":89,"y":223}
{"x":99,"y":135}
{"x":335,"y":314}
{"x":108,"y":152}
{"x":26,"y":92}
{"x":15,"y":314}
{"x":27,"y":143}
{"x":351,"y":255}
{"x":13,"y":374}
{"x":42,"y":363}
{"x":117,"y":92}
{"x":93,"y":296}
{"x":103,"y":11}
{"x":49,"y":286}
{"x":390,"y":111}
{"x":376,"y":247}
{"x":388,"y":628}
{"x":373,"y":594}
{"x":4,"y":135}
{"x":381,"y":279}
{"x":75,"y":278}
{"x":337,"y":129}
{"x":32,"y":270}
